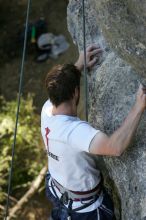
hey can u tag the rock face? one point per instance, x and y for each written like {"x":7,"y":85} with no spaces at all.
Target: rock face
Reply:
{"x":119,"y":27}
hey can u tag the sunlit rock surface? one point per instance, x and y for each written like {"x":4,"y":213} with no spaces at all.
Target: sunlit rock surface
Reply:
{"x":119,"y":27}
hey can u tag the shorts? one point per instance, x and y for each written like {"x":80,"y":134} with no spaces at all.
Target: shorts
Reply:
{"x":60,"y":212}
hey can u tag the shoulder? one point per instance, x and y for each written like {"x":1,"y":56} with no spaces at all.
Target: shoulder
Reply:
{"x":81,"y":135}
{"x":47,"y":109}
{"x":83,"y":126}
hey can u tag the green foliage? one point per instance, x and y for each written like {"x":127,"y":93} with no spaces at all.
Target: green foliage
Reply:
{"x":29,"y":155}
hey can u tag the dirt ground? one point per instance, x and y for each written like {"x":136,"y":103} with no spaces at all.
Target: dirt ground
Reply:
{"x":12,"y":17}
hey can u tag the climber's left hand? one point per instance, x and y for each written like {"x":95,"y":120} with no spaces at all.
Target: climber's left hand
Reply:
{"x":92,"y":56}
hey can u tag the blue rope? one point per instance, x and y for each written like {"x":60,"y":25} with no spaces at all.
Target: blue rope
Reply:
{"x":85,"y":61}
{"x":18,"y":107}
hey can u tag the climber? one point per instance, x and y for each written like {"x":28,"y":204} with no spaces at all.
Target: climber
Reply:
{"x":73,"y":183}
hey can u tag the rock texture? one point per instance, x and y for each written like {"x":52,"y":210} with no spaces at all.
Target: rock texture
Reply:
{"x":119,"y":27}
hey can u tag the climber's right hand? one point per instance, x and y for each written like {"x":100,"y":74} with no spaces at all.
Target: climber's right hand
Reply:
{"x":141,"y":97}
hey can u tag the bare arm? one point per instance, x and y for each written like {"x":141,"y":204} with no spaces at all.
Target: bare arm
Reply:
{"x":117,"y":143}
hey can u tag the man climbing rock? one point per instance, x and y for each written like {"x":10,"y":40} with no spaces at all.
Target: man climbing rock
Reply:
{"x":73,"y":183}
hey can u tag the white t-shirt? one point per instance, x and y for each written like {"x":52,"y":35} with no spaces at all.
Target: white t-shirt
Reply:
{"x":67,"y":140}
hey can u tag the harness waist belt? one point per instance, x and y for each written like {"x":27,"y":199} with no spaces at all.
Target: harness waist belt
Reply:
{"x":76,"y":195}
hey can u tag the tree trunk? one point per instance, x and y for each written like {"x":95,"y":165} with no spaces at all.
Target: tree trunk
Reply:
{"x":34,"y":187}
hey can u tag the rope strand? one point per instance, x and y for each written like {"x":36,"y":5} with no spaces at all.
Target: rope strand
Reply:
{"x":18,"y":107}
{"x":85,"y":61}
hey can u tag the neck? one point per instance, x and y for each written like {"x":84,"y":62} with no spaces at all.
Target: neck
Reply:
{"x":66,"y":108}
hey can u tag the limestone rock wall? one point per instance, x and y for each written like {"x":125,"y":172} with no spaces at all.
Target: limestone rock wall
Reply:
{"x":119,"y":27}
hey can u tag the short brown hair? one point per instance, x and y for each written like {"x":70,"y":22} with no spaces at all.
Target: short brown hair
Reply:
{"x":61,"y":82}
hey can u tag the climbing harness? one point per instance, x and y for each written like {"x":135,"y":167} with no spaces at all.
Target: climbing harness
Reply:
{"x":18,"y":108}
{"x":68,"y":196}
{"x":77,"y":196}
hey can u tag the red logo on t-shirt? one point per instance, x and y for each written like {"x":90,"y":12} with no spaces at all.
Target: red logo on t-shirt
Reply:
{"x":47,"y":143}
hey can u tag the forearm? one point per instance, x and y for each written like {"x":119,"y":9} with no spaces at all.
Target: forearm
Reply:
{"x":123,"y":136}
{"x":117,"y":143}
